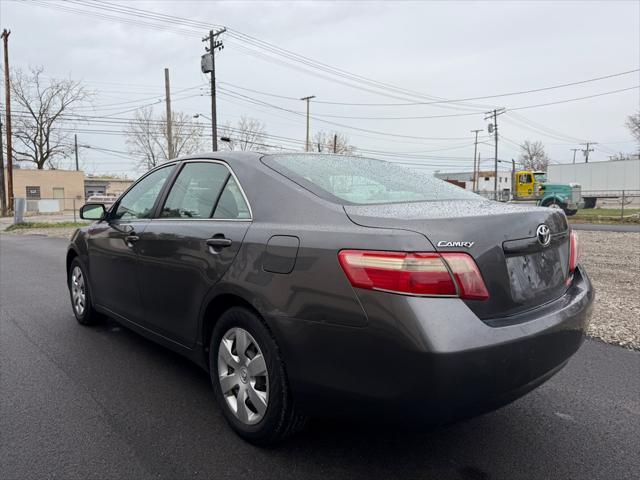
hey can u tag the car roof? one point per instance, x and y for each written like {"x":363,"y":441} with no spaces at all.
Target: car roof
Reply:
{"x":227,"y":156}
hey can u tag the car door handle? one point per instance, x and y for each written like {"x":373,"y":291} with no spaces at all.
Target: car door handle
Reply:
{"x":131,"y":239}
{"x":219,"y":242}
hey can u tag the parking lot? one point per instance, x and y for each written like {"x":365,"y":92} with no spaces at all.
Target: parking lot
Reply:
{"x":103,"y":403}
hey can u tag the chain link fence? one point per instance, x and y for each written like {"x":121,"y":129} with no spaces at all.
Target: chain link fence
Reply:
{"x":47,"y":209}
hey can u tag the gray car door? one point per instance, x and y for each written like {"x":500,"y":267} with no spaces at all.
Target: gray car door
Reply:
{"x":112,"y":245}
{"x":189,"y":246}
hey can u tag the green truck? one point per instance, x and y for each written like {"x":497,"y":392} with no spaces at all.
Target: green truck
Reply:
{"x":532,"y":187}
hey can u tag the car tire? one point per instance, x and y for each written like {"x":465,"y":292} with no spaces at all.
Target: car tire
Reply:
{"x":80,"y":294}
{"x":570,"y":212}
{"x":253,"y":393}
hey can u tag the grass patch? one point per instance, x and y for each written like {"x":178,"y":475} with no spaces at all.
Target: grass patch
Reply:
{"x":609,"y":216}
{"x":29,"y":225}
{"x":606,"y":212}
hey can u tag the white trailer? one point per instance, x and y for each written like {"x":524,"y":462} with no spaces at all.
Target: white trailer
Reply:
{"x":599,"y":179}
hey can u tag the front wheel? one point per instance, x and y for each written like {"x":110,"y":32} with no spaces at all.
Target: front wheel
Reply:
{"x":555,"y":203}
{"x":80,"y":294}
{"x":249,"y":379}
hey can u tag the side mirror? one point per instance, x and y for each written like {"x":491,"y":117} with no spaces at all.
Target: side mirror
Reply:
{"x":93,"y":211}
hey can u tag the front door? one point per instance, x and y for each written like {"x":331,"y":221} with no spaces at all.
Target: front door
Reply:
{"x":525,"y":185}
{"x":190,"y":246}
{"x":113,"y":251}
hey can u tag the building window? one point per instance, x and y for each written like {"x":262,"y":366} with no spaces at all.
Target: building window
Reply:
{"x":33,"y":193}
{"x":486,"y":179}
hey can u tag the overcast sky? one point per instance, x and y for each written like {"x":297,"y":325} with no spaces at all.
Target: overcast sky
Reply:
{"x":451,"y":50}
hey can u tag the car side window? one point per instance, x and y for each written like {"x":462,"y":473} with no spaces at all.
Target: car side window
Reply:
{"x":195,"y":191}
{"x":138,"y":202}
{"x":232,"y":205}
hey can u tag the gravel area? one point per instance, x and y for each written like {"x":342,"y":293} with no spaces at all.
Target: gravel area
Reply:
{"x":612,"y":261}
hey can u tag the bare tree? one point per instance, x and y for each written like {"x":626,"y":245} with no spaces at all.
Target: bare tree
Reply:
{"x":248,"y":134}
{"x":332,"y":142}
{"x":44,"y":105}
{"x":147,"y":137}
{"x":533,"y":156}
{"x":633,"y":124}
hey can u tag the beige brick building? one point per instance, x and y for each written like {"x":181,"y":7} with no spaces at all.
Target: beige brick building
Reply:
{"x":65,"y":186}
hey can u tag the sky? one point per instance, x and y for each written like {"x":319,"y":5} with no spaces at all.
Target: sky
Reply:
{"x":378,"y":58}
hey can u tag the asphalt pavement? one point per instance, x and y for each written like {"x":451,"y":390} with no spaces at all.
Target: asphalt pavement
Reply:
{"x":102,"y":402}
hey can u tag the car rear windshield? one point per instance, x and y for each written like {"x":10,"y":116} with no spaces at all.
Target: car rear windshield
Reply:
{"x":360,"y":180}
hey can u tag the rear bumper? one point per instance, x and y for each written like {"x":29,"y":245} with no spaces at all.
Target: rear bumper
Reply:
{"x":430,"y":358}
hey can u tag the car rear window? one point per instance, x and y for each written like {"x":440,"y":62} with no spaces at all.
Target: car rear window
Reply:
{"x":360,"y":180}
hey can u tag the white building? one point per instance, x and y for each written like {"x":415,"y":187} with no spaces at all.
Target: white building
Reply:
{"x":485,"y":179}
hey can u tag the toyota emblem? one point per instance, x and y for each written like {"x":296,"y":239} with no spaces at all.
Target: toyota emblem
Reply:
{"x":543,"y":234}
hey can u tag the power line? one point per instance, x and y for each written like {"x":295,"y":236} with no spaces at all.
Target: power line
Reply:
{"x":522,"y":92}
{"x":173,"y":20}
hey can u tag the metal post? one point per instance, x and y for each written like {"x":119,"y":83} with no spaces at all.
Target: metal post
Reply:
{"x":307,"y":145}
{"x":213,"y":46}
{"x":7,"y":106}
{"x":74,"y":210}
{"x":214,"y":108}
{"x":622,"y":210}
{"x":475,"y":157}
{"x":513,"y":178}
{"x":75,"y":139}
{"x":3,"y":196}
{"x":167,"y":94}
{"x":495,"y":172}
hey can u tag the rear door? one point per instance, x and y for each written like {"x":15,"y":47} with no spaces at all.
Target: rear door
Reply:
{"x":189,"y":246}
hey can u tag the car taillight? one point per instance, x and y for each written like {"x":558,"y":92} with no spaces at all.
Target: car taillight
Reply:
{"x":467,"y":275}
{"x":574,"y":252}
{"x":432,"y":274}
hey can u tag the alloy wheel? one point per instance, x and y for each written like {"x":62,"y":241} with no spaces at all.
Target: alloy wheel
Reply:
{"x":78,"y":292}
{"x":243,"y":376}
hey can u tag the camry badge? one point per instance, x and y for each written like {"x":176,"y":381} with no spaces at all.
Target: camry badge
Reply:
{"x":443,"y":243}
{"x":543,"y":234}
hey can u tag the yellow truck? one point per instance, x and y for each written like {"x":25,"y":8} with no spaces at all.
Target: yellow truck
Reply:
{"x":531,"y":186}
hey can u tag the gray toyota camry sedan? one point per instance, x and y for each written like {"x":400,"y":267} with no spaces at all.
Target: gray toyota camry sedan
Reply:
{"x":310,"y":284}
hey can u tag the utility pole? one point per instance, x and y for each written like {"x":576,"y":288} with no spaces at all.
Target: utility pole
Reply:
{"x":574,"y":150}
{"x":167,"y":96}
{"x":209,"y":66}
{"x":493,"y":128}
{"x":7,"y":106}
{"x":307,"y":100}
{"x":476,"y":174}
{"x":3,"y":196}
{"x":585,"y":151}
{"x":513,"y":178}
{"x":475,"y":156}
{"x":75,"y":141}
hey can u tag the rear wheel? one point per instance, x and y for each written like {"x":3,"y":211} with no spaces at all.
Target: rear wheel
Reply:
{"x":249,"y":379}
{"x":80,"y":295}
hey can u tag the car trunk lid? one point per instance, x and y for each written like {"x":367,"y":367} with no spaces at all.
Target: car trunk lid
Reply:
{"x":519,"y":272}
